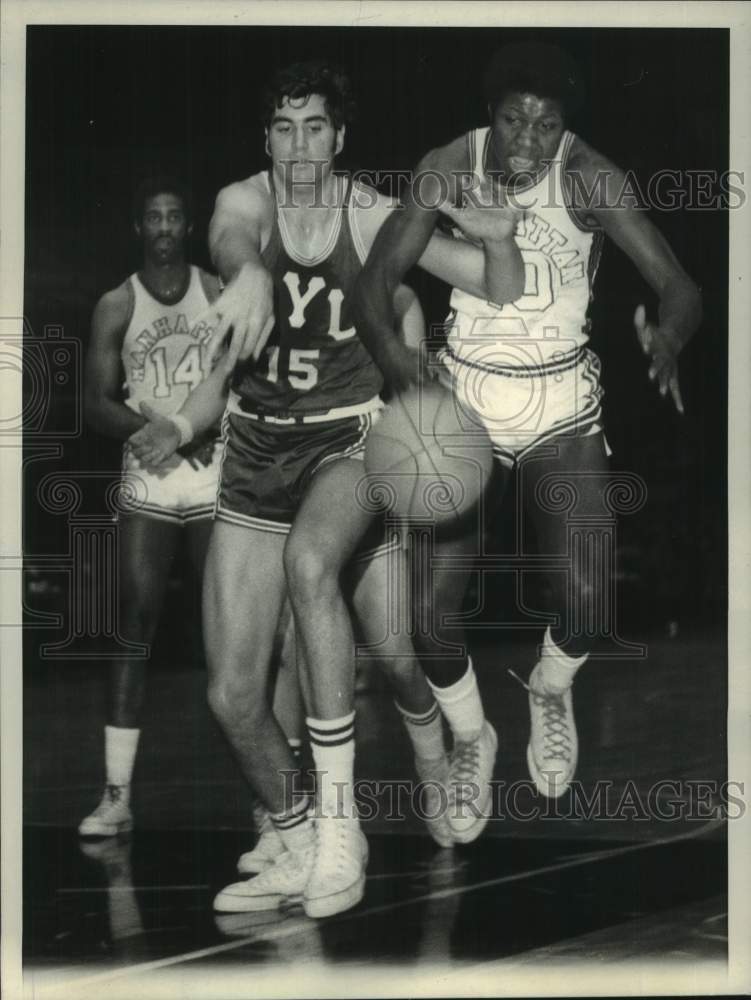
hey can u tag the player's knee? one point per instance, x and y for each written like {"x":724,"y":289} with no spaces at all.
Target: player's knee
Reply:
{"x":233,"y":701}
{"x":400,"y":671}
{"x":308,"y":570}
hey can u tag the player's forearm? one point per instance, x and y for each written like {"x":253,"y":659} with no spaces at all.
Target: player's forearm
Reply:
{"x":231,"y":251}
{"x":205,"y":405}
{"x":504,"y":270}
{"x":376,"y":325}
{"x":107,"y":416}
{"x":680,"y":309}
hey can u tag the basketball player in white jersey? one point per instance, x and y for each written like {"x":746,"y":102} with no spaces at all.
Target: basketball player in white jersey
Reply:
{"x":524,"y":369}
{"x":144,"y":329}
{"x":289,"y":243}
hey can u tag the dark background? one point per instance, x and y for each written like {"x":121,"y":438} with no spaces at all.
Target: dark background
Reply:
{"x":105,"y":106}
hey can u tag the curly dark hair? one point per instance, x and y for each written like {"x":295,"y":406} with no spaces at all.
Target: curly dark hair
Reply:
{"x":534,"y":68}
{"x":160,"y":184}
{"x":300,"y":80}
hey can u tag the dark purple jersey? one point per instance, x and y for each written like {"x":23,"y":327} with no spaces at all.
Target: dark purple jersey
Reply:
{"x":313,"y":361}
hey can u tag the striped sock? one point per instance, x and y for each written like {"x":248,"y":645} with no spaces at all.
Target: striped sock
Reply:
{"x":425,"y":731}
{"x":333,"y":744}
{"x":294,"y":826}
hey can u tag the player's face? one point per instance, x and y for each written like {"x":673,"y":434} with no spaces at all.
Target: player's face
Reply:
{"x":164,"y":228}
{"x":526,"y":133}
{"x":301,"y":139}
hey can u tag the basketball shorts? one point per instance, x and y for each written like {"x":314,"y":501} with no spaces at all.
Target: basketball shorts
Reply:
{"x":522,"y":408}
{"x":181,"y":490}
{"x":267,"y":468}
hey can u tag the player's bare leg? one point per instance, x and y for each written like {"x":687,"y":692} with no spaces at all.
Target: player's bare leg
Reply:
{"x":580,"y":466}
{"x":326,"y":532}
{"x":146,"y":550}
{"x":244,"y":591}
{"x":380,"y":601}
{"x":290,"y":714}
{"x":243,"y":597}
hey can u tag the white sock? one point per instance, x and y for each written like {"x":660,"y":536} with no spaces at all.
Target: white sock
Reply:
{"x":557,"y":669}
{"x":333,"y":744}
{"x":120,"y":746}
{"x":461,"y":705}
{"x":425,"y":731}
{"x":294,"y":826}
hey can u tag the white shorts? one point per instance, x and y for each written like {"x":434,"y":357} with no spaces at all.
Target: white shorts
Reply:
{"x":523,"y":407}
{"x":178,"y":491}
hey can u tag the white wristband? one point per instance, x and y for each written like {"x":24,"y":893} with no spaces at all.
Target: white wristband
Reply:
{"x":184,"y":428}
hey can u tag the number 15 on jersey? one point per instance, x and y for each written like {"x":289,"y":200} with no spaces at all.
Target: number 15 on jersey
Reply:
{"x":302,"y":370}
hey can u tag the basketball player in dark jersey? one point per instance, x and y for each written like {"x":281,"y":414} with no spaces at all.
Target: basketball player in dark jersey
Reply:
{"x":304,"y":392}
{"x":530,"y":356}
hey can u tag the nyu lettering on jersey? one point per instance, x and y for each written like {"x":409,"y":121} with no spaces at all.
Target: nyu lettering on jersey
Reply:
{"x":314,"y":361}
{"x":549,"y":322}
{"x":163,"y":356}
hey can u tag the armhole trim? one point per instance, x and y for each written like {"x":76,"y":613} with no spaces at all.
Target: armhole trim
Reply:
{"x":131,"y":293}
{"x":354,"y":226}
{"x":571,"y":211}
{"x":204,"y":277}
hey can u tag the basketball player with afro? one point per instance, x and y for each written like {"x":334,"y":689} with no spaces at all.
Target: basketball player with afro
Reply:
{"x":529,"y":357}
{"x":289,"y":243}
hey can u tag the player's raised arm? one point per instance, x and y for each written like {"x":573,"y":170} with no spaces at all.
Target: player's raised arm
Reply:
{"x":680,"y":306}
{"x":399,"y":244}
{"x":496,"y":273}
{"x":103,"y":377}
{"x":244,"y":310}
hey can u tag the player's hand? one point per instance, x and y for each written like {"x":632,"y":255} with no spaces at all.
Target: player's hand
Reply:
{"x":157,"y":440}
{"x":203,"y":455}
{"x":663,"y":347}
{"x":408,"y":368}
{"x":485,"y":213}
{"x":242,"y":316}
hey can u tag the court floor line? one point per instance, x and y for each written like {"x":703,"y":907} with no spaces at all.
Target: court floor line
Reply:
{"x":132,"y":888}
{"x":282,"y":932}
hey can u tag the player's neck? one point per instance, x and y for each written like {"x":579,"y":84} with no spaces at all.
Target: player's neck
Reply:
{"x":307,"y":197}
{"x":167,"y":281}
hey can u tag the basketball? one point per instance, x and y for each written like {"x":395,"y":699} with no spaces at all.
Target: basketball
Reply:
{"x":428,"y":457}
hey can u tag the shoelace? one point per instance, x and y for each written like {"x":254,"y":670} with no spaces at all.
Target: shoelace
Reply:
{"x":336,"y":848}
{"x":465,"y":763}
{"x":556,"y":737}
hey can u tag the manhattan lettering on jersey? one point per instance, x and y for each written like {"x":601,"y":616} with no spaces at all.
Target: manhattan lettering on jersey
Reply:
{"x":163,"y":353}
{"x":313,"y":361}
{"x":560,"y":261}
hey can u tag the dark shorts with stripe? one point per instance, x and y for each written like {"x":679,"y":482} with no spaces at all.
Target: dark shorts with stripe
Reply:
{"x":267,"y":468}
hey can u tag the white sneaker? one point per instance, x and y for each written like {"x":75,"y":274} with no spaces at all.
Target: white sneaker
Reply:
{"x":282,"y":883}
{"x":434,"y":777}
{"x":337,"y":881}
{"x":111,"y":816}
{"x":553,"y":747}
{"x":268,"y":847}
{"x":470,"y":793}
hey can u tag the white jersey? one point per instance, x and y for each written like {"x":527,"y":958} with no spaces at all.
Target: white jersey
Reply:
{"x":560,"y":255}
{"x":163,"y":355}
